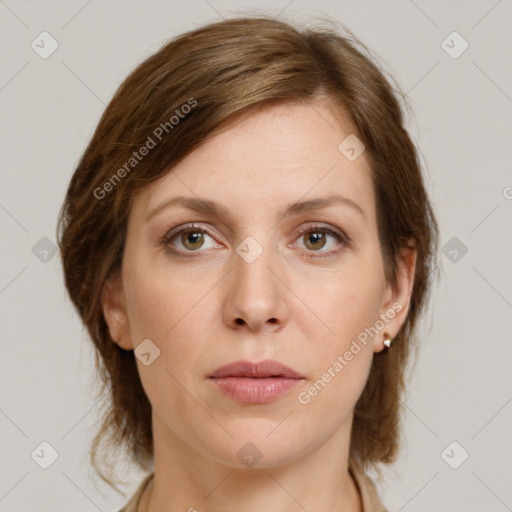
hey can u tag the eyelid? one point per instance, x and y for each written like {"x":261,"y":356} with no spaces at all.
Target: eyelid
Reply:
{"x":169,"y":235}
{"x":327,"y":228}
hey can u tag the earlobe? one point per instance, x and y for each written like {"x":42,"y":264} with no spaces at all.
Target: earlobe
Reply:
{"x":398,"y":298}
{"x":114,"y":311}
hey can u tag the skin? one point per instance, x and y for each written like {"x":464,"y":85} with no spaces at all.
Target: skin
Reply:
{"x":206,"y":311}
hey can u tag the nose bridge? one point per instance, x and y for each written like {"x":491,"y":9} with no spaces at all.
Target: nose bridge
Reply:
{"x":255,"y":291}
{"x":253,"y":257}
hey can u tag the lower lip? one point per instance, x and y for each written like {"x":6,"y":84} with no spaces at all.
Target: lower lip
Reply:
{"x":255,"y":390}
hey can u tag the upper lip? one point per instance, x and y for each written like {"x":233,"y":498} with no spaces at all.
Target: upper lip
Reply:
{"x":266,"y":368}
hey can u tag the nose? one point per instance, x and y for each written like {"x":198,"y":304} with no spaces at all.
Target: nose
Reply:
{"x":254,"y":299}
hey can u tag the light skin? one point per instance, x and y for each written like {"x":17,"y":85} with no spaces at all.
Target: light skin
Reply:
{"x":212,"y":308}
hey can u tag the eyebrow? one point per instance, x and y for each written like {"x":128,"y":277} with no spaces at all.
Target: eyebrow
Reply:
{"x":207,"y":206}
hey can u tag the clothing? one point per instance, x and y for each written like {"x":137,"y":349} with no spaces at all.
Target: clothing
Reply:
{"x":368,"y":492}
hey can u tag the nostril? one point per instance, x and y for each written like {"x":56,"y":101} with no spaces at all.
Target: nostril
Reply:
{"x":239,"y":321}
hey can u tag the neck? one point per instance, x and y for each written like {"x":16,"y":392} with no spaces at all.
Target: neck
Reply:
{"x":187,"y":480}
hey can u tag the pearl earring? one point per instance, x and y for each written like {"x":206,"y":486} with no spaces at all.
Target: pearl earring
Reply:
{"x":387,"y":340}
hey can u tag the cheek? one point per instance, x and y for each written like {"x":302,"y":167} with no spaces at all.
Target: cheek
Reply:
{"x":170,"y":308}
{"x":165,"y":309}
{"x":157,"y":309}
{"x":343,"y":303}
{"x":160,"y":298}
{"x":341,"y":358}
{"x":348,"y":306}
{"x":334,"y":394}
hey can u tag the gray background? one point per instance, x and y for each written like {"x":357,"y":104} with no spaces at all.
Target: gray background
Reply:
{"x":460,"y":389}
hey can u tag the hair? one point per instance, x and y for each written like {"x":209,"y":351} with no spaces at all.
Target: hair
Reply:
{"x":220,"y":71}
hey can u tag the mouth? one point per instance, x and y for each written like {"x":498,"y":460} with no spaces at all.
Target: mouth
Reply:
{"x":255,"y":383}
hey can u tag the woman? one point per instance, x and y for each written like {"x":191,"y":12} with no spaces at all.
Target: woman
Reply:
{"x":249,"y":242}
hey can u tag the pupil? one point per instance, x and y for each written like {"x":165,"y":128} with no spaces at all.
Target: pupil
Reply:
{"x":192,"y":238}
{"x":313,"y":238}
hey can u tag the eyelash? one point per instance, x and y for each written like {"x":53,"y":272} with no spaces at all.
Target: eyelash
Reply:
{"x":194,"y":228}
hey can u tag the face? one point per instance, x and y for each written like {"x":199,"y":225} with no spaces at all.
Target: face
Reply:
{"x":250,"y":279}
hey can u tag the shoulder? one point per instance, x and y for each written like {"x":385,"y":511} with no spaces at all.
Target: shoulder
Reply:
{"x":368,"y":491}
{"x":133,"y":503}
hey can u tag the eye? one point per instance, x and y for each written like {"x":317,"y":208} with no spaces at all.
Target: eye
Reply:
{"x":190,"y":238}
{"x":320,"y":239}
{"x":193,"y":238}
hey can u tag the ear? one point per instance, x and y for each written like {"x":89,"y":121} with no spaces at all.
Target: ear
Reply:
{"x":114,"y":310}
{"x":397,"y":298}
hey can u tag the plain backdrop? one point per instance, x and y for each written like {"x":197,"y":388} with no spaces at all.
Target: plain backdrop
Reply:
{"x":460,"y":390}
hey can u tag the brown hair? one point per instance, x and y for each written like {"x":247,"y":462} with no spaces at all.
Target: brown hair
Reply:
{"x":220,"y":71}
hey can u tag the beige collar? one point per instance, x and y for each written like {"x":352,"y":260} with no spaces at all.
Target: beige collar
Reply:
{"x":368,"y":492}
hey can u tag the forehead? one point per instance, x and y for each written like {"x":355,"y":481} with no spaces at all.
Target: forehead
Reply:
{"x":274,"y":156}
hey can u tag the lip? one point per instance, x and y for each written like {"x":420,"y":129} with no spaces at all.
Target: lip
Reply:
{"x":255,"y":383}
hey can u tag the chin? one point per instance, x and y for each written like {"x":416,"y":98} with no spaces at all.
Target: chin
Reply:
{"x":258,"y":446}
